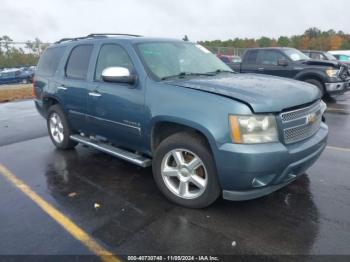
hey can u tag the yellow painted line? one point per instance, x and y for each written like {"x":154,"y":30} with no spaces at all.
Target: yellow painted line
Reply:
{"x":339,"y":148}
{"x":60,"y":218}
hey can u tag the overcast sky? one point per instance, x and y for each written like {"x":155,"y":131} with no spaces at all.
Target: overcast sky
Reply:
{"x":200,"y":19}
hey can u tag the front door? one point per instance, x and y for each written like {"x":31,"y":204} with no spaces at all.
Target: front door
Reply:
{"x":116,"y":110}
{"x":268,"y":64}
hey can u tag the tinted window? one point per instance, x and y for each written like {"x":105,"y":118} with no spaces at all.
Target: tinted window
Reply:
{"x":49,"y":61}
{"x":251,"y":56}
{"x":270,"y":57}
{"x":306,"y":53}
{"x":316,"y":56}
{"x":112,"y":55}
{"x":78,"y":62}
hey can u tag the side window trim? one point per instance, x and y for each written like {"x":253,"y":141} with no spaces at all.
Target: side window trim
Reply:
{"x":68,"y":58}
{"x":98,"y":56}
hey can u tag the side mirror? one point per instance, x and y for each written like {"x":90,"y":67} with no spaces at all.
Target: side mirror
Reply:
{"x":118,"y":75}
{"x":282,"y":62}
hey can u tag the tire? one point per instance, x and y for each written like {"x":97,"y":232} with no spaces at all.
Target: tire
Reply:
{"x":172,"y":174}
{"x":318,"y":84}
{"x":60,"y":130}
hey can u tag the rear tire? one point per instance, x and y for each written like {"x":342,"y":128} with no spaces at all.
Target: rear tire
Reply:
{"x":185,"y":172}
{"x":59,"y":129}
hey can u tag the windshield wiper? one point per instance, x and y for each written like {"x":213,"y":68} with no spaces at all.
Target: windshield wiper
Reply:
{"x":184,"y":74}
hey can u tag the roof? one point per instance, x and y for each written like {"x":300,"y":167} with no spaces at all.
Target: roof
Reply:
{"x":269,"y":48}
{"x":125,"y":37}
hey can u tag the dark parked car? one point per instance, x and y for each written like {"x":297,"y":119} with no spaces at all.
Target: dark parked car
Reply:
{"x":331,"y":77}
{"x":342,"y":58}
{"x":322,"y":55}
{"x":319,"y":55}
{"x":11,"y":76}
{"x":174,"y":105}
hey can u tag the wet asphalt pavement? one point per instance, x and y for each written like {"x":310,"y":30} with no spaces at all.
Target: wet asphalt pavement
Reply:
{"x":309,"y":216}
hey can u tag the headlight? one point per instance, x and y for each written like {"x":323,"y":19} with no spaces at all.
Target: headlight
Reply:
{"x":332,"y":72}
{"x":253,"y":129}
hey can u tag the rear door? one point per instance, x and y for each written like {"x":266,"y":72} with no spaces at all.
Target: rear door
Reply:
{"x":73,"y":87}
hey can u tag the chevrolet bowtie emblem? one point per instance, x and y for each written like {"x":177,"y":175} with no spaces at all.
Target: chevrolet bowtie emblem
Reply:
{"x":311,"y":118}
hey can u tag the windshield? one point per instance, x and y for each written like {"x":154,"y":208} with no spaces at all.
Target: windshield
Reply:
{"x":166,"y":59}
{"x":296,"y":55}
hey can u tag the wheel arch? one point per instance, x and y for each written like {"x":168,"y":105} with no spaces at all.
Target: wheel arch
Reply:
{"x":48,"y":101}
{"x":163,"y":127}
{"x":311,"y":75}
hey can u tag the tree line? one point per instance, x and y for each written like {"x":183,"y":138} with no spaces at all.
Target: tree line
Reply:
{"x":312,"y":38}
{"x":15,"y":54}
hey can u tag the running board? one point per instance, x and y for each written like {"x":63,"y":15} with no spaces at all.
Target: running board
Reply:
{"x":114,"y":151}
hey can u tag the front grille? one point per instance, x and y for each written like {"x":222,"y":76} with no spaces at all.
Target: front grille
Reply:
{"x":301,"y":123}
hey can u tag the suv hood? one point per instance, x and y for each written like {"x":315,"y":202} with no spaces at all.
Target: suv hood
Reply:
{"x":262,"y":93}
{"x":327,"y":63}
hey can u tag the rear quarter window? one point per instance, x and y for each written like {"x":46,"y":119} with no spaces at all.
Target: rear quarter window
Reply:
{"x":50,"y":60}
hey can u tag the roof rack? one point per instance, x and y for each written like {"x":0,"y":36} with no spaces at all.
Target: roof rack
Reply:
{"x":94,"y":35}
{"x":107,"y":34}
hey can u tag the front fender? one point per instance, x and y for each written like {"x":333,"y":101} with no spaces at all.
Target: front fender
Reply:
{"x":203,"y":111}
{"x":184,"y":122}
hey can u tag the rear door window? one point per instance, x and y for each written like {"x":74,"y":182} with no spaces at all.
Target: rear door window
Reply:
{"x":78,"y":62}
{"x":50,"y":60}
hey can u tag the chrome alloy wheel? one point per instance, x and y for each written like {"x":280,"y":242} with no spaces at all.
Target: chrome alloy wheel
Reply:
{"x":56,"y":128}
{"x":184,"y":173}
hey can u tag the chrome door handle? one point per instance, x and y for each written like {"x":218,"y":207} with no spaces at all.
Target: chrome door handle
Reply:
{"x":261,"y":69}
{"x":62,"y":87}
{"x":94,"y":94}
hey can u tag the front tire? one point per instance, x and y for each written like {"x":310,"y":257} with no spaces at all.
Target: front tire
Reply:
{"x":59,"y":129}
{"x":185,"y":172}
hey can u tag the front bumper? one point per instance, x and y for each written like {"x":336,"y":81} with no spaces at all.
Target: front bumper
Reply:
{"x":338,"y":87}
{"x":251,"y":171}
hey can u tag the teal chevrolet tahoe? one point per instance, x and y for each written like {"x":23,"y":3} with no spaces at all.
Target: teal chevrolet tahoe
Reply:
{"x":205,"y":130}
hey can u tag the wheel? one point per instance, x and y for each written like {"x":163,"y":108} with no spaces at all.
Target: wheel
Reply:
{"x":185,"y":172}
{"x":318,"y":84}
{"x":59,"y":128}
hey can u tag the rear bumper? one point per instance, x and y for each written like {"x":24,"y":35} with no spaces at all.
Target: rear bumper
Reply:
{"x":251,"y":171}
{"x":338,"y":87}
